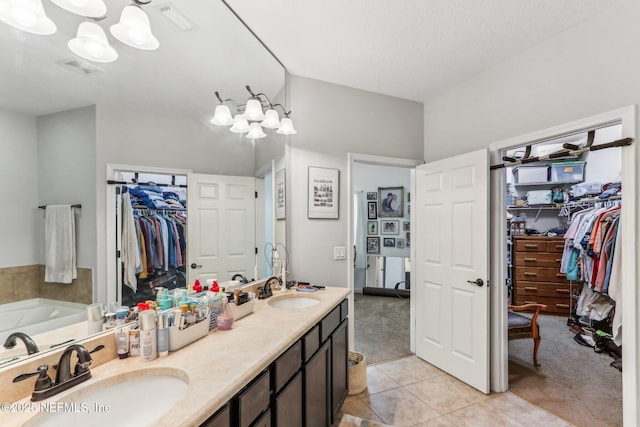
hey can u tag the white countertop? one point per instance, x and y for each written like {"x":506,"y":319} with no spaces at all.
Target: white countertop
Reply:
{"x":217,"y":366}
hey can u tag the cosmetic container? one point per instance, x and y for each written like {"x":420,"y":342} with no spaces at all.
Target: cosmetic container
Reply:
{"x":134,"y":341}
{"x":163,"y":334}
{"x":148,"y":336}
{"x":122,"y":343}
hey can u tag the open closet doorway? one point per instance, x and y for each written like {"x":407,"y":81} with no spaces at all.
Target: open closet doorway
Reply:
{"x":381,"y":243}
{"x":562,"y":223}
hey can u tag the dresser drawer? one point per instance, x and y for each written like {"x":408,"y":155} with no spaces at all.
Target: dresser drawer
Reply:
{"x":535,"y":274}
{"x":525,"y":245}
{"x":528,"y":259}
{"x":556,"y":246}
{"x":554,"y":305}
{"x":541,"y":289}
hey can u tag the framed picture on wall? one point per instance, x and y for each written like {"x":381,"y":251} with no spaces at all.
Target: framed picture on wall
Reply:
{"x":372,"y":195}
{"x":373,"y":245}
{"x":391,"y":201}
{"x":390,"y":226}
{"x":324,"y":193}
{"x":372,"y":210}
{"x":400,"y":243}
{"x":406,"y":226}
{"x":372,"y":227}
{"x":281,"y":199}
{"x":389,"y":242}
{"x":408,"y":240}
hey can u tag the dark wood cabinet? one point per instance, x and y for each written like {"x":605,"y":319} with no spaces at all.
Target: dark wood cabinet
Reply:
{"x":339,"y":375}
{"x":536,"y":274}
{"x":305,"y":386}
{"x":316,"y":388}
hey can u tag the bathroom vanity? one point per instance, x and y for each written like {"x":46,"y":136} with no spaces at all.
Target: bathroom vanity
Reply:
{"x":284,"y":365}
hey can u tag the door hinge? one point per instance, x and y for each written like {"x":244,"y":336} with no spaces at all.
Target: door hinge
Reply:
{"x":118,"y":189}
{"x":256,"y":251}
{"x":117,"y":254}
{"x":256,"y":194}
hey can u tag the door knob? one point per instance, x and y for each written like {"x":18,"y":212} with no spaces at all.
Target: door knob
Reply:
{"x":477,"y":282}
{"x":194,"y":265}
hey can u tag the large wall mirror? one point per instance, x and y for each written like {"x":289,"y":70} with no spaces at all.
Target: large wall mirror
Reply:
{"x":64,"y":119}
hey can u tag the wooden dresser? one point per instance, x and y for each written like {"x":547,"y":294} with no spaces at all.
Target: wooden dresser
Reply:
{"x":537,"y":277}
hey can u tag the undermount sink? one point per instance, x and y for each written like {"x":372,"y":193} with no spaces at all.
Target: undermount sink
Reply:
{"x":137,"y":400}
{"x":293,"y":300}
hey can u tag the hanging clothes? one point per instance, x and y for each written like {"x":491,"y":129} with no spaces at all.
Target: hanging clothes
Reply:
{"x":130,"y":252}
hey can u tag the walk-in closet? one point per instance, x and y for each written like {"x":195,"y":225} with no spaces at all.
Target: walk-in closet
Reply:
{"x":564,"y":203}
{"x":151,"y":214}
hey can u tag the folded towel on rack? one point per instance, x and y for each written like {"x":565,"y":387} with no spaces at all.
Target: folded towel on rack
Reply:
{"x":60,"y":244}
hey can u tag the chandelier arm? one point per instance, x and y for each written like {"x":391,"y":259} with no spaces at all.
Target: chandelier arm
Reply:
{"x":140,"y":2}
{"x":238,"y":108}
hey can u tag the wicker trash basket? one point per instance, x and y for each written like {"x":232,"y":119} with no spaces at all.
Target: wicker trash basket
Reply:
{"x":357,"y":373}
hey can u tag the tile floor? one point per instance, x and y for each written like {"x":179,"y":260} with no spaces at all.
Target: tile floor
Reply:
{"x":410,"y":392}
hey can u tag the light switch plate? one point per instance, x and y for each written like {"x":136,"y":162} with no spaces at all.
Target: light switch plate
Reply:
{"x":339,"y":252}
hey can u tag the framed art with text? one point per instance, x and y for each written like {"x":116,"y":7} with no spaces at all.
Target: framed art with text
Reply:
{"x":324,"y":193}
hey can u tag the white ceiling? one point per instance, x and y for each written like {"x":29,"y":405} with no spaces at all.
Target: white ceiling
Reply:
{"x":178,"y":78}
{"x":412,"y":49}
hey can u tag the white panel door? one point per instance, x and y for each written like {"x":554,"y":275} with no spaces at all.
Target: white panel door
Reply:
{"x":221,"y":231}
{"x":450,"y":226}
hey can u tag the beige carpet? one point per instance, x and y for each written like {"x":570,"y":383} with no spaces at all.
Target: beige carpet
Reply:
{"x":574,"y":382}
{"x":351,"y":421}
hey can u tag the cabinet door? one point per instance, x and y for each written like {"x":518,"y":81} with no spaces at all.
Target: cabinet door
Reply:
{"x":253,"y":400}
{"x":221,"y":419}
{"x":316,"y":388}
{"x":288,"y":404}
{"x":339,"y":379}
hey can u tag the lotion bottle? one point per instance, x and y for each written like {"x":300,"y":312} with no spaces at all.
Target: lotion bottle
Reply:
{"x":148,"y":336}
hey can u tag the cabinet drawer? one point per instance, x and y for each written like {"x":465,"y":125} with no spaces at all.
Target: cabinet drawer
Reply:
{"x":540,"y":289}
{"x":554,"y":305}
{"x":329,"y":323}
{"x":530,"y":259}
{"x":254,"y":400}
{"x":287,"y":365}
{"x":555,"y":246}
{"x":222,"y":418}
{"x":530,"y":245}
{"x":311,"y":342}
{"x":540,"y":275}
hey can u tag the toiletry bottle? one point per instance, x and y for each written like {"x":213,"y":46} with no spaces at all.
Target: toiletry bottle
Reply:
{"x":197,"y":287}
{"x":215,"y":287}
{"x":148,"y":336}
{"x":134,"y":341}
{"x":183,"y":316}
{"x":122,"y":343}
{"x":163,"y":334}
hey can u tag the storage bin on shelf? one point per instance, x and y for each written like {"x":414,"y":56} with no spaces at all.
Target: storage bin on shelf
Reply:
{"x":531,"y":174}
{"x":567,"y":171}
{"x":179,"y":338}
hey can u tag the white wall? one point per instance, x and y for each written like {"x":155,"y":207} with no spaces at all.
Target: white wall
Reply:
{"x":587,"y":70}
{"x":19,"y":166}
{"x":332,"y":121}
{"x":66,"y":161}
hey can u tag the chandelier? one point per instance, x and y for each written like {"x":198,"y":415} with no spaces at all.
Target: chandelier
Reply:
{"x":251,"y":117}
{"x":91,"y":41}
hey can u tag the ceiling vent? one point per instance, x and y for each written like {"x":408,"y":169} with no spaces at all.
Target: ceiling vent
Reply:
{"x":79,"y":66}
{"x":177,"y":18}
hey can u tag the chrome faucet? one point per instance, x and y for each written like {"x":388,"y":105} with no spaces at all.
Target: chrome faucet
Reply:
{"x":11,"y":342}
{"x":45,"y":388}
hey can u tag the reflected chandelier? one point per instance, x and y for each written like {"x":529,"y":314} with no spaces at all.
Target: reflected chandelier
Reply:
{"x":90,"y":42}
{"x":258,"y":110}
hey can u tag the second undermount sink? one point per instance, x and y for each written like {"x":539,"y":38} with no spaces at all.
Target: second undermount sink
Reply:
{"x":133,"y":401}
{"x":293,"y":300}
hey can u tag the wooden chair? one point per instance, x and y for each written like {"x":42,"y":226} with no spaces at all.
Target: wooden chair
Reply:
{"x":525,"y":327}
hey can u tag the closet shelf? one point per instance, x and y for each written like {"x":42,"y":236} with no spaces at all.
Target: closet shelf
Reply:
{"x":533,"y":207}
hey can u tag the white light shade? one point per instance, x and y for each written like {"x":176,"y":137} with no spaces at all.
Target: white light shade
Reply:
{"x":286,"y":127}
{"x":91,"y":43}
{"x":222,"y":117}
{"x":134,"y":29}
{"x":88,"y":8}
{"x":253,"y":110}
{"x":271,"y":119}
{"x":255,"y":131}
{"x":240,"y":124}
{"x":26,"y":15}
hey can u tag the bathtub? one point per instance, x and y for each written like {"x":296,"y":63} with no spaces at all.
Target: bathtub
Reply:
{"x":37,"y":315}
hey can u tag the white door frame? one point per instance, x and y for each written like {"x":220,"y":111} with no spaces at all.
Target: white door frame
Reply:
{"x":111,"y":274}
{"x":380,"y":161}
{"x":629,"y":232}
